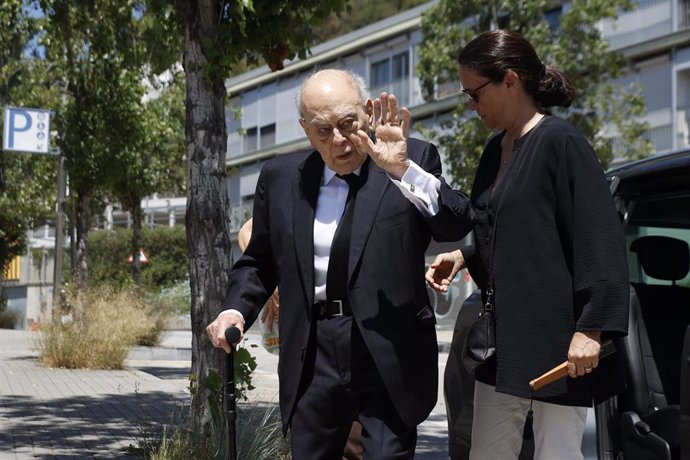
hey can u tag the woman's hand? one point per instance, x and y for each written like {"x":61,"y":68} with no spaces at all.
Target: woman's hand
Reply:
{"x":444,"y":268}
{"x":583,"y":354}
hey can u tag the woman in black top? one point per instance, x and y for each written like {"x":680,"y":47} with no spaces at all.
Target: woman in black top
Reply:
{"x":559,"y":271}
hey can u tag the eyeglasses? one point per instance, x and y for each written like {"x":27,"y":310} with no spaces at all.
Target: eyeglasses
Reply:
{"x":474,"y":93}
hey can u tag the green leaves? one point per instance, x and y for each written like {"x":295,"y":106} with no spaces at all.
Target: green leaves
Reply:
{"x":27,"y":182}
{"x":273,"y":31}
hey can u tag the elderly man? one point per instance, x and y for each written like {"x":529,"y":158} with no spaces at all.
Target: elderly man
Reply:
{"x":342,"y":232}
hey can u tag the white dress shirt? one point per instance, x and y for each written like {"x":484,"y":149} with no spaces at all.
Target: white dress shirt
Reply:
{"x":418,"y":186}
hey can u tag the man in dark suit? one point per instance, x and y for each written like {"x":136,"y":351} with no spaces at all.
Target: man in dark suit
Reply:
{"x":342,"y":232}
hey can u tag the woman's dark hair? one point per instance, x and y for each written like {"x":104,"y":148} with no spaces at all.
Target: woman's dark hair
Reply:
{"x":492,"y":54}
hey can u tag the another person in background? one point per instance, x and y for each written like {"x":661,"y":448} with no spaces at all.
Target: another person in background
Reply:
{"x":560,"y":277}
{"x":342,"y":232}
{"x":269,"y":314}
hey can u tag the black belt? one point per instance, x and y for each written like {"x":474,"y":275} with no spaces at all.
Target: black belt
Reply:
{"x":326,"y":308}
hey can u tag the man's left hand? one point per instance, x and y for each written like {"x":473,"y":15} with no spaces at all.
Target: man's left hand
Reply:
{"x":391,"y":126}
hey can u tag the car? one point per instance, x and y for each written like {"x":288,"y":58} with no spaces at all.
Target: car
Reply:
{"x":650,"y":420}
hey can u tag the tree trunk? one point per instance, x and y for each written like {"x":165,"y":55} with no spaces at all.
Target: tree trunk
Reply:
{"x":207,"y":223}
{"x":81,"y":274}
{"x":137,"y":215}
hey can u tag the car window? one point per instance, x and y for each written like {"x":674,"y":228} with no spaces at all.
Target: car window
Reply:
{"x":659,"y":216}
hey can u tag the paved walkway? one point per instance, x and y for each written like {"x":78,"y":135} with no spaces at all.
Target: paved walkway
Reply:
{"x":65,"y":414}
{"x":61,"y":413}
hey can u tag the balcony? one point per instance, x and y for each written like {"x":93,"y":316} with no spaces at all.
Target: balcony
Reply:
{"x":657,"y":17}
{"x":399,"y":87}
{"x":449,"y":88}
{"x":660,"y":132}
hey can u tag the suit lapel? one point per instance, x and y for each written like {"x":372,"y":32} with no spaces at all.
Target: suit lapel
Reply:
{"x":366,"y":207}
{"x":305,"y":195}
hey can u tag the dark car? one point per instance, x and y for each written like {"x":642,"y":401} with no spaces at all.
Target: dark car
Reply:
{"x":650,"y":420}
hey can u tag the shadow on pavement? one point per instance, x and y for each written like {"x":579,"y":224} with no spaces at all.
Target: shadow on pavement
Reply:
{"x":82,"y":426}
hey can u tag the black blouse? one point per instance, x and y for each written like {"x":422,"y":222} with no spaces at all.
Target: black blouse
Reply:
{"x":559,"y":263}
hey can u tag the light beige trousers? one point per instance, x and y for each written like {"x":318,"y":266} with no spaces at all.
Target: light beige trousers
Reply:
{"x":499,"y":419}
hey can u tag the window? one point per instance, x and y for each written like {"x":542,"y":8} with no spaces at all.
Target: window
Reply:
{"x":380,"y":74}
{"x":250,"y":140}
{"x":259,"y":138}
{"x":268,"y":136}
{"x":401,"y":63}
{"x":392,"y":75}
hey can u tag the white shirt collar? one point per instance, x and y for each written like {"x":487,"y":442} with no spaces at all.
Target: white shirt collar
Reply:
{"x":329,"y":174}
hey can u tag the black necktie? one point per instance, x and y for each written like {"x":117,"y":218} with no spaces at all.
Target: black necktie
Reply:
{"x":336,"y":277}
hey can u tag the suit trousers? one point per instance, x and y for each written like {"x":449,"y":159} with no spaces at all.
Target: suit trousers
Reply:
{"x":340,"y":383}
{"x":499,"y":419}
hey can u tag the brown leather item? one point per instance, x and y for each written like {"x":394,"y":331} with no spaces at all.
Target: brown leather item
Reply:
{"x":561,"y":370}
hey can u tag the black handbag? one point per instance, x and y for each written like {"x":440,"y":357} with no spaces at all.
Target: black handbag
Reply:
{"x":480,"y":343}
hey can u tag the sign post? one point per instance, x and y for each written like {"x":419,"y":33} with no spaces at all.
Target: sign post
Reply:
{"x":59,"y":231}
{"x":28,"y":130}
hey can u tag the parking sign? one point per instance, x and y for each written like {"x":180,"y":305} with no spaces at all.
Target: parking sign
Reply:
{"x":27,"y":130}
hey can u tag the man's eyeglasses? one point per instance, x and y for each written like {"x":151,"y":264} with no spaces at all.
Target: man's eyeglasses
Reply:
{"x":474,"y":93}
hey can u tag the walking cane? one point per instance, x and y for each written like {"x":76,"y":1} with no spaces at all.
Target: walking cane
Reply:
{"x":232,"y":336}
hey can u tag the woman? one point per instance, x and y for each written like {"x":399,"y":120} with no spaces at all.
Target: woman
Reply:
{"x":559,"y":271}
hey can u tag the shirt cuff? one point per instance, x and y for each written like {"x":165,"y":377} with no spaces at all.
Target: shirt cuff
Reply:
{"x":421,"y":188}
{"x":232,"y":310}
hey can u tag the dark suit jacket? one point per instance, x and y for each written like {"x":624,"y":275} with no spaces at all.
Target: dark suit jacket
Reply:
{"x":386,"y":285}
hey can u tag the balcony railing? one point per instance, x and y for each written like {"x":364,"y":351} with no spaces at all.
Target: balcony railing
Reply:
{"x":661,"y":138}
{"x":683,"y":14}
{"x":449,"y":88}
{"x":657,"y":15}
{"x":660,"y":133}
{"x":400,"y":87}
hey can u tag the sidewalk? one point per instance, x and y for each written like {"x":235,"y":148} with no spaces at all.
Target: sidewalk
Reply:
{"x":64,"y":414}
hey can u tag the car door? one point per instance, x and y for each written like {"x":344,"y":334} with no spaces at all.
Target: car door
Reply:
{"x":685,"y":398}
{"x":653,"y":199}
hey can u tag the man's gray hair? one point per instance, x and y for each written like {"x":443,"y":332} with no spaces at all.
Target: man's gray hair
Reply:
{"x":356,"y":79}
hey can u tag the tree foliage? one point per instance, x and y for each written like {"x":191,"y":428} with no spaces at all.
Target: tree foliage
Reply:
{"x":574,"y":45}
{"x":27,"y":182}
{"x":165,"y":247}
{"x":359,"y":14}
{"x":118,"y":146}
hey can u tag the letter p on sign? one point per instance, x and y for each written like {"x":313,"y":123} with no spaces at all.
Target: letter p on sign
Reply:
{"x":27,"y":130}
